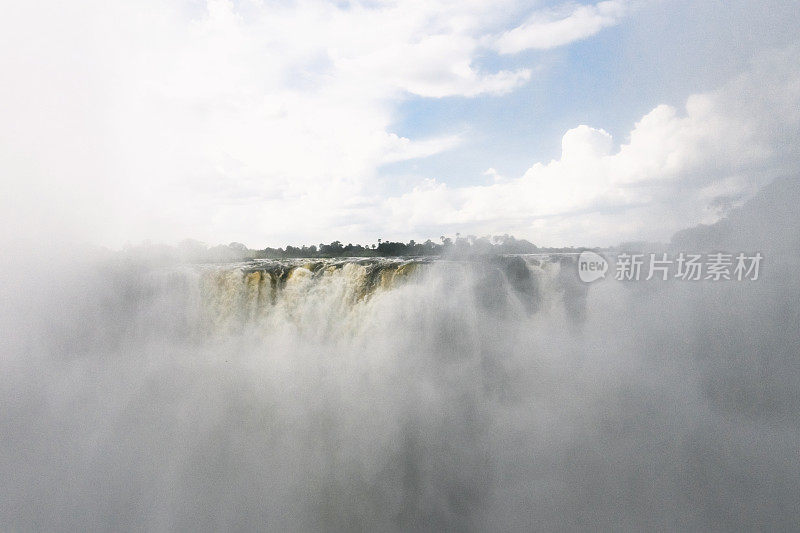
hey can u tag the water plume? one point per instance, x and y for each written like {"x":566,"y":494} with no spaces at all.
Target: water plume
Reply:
{"x":396,"y":395}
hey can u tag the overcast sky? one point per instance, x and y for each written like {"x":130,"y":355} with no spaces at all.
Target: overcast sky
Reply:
{"x":275,"y":122}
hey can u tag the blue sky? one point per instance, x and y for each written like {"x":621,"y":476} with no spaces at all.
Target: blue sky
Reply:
{"x":609,"y":80}
{"x":305,"y":121}
{"x":579,"y":85}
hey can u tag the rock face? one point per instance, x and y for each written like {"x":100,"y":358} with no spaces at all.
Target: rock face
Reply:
{"x":768,"y":222}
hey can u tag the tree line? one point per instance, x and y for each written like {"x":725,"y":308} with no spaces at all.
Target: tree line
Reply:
{"x":470,"y":245}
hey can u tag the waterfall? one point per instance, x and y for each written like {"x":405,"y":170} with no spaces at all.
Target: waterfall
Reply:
{"x":495,"y":393}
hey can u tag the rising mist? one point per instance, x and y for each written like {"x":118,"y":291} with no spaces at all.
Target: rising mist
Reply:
{"x":392,"y":394}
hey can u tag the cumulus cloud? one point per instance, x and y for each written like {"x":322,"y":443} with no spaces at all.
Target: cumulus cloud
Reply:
{"x":271,"y":122}
{"x":222,"y":120}
{"x":675,"y":169}
{"x":557,"y":27}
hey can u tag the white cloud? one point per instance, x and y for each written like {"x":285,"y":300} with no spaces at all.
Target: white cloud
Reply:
{"x":220,"y":121}
{"x":268,"y":122}
{"x":671,"y":173}
{"x":165,"y":120}
{"x":552,"y":28}
{"x":435,"y":66}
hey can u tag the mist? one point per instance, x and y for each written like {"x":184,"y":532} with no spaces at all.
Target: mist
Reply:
{"x":475,"y":385}
{"x":371,"y":395}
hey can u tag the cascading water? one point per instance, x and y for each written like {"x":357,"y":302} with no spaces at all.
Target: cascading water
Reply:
{"x":333,"y":296}
{"x":386,"y":395}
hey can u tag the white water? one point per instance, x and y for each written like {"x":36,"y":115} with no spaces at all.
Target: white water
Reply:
{"x":443,"y":396}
